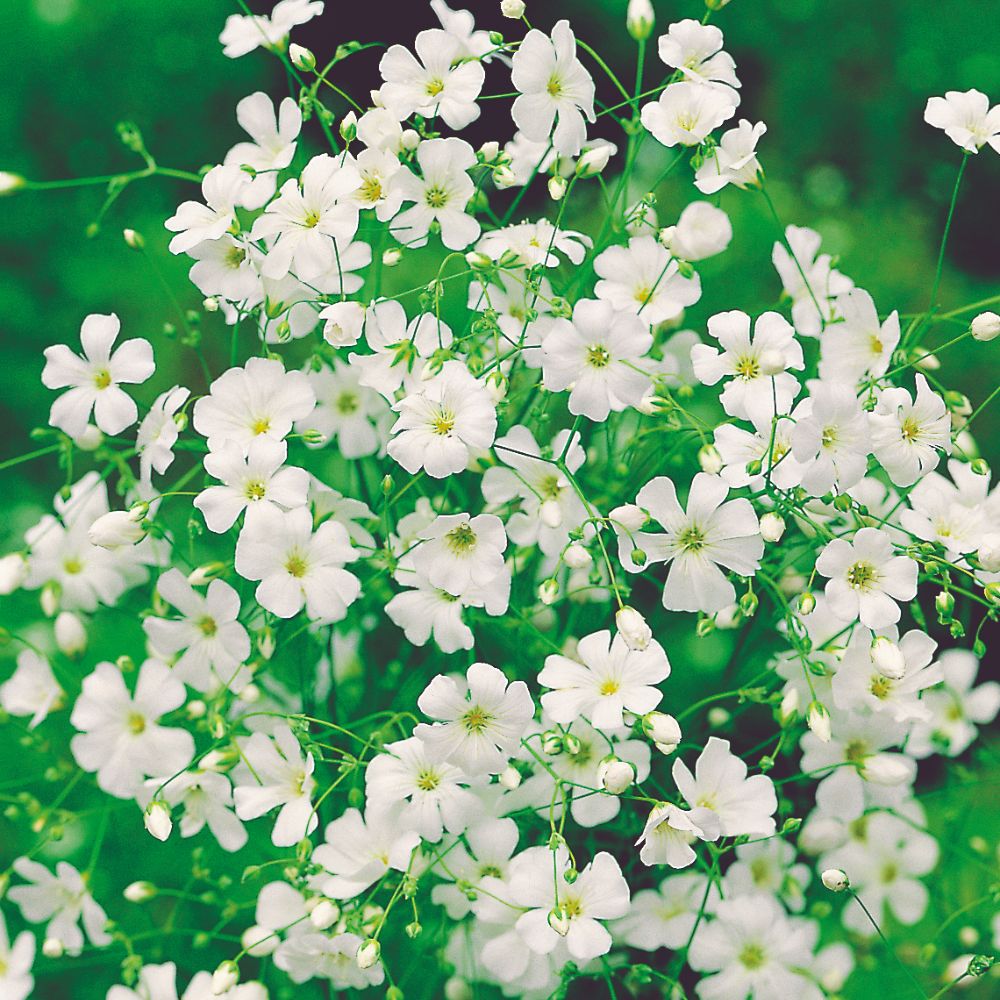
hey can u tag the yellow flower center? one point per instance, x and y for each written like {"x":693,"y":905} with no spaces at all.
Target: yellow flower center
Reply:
{"x":208,"y":626}
{"x":428,"y":780}
{"x":862,"y":575}
{"x":102,"y":378}
{"x":136,"y":723}
{"x":296,"y":566}
{"x":598,"y":356}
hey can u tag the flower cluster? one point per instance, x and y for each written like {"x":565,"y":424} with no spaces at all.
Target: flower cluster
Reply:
{"x":411,"y":565}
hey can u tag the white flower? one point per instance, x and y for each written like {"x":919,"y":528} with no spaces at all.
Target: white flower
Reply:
{"x":343,"y":323}
{"x":866,"y":579}
{"x":685,"y":113}
{"x":222,"y":188}
{"x":344,"y":959}
{"x":229,"y":269}
{"x":830,"y":438}
{"x":755,"y":951}
{"x":62,"y":555}
{"x":209,"y":641}
{"x":750,"y":392}
{"x":16,"y":980}
{"x":243,"y":34}
{"x":702,"y":231}
{"x":769,"y":444}
{"x":883,"y":866}
{"x":460,"y":24}
{"x":463,"y":554}
{"x":311,"y":216}
{"x":93,"y":379}
{"x":733,"y":160}
{"x":296,"y":566}
{"x":439,"y":194}
{"x":432,"y":789}
{"x":860,"y":684}
{"x":158,"y":433}
{"x":536,"y":483}
{"x":346,"y":410}
{"x":908,"y":432}
{"x":808,"y":279}
{"x":966,"y":118}
{"x":443,"y":424}
{"x":272,"y":148}
{"x":273,"y":772}
{"x":258,"y":399}
{"x":643,"y":279}
{"x":720,"y":785}
{"x":956,"y":708}
{"x":858,"y":344}
{"x":768,"y":866}
{"x":359,"y":850}
{"x":535,"y":243}
{"x":252,"y":482}
{"x":480,"y":723}
{"x":559,"y":909}
{"x":554,"y":88}
{"x":119,"y":736}
{"x":696,"y":50}
{"x":710,"y":534}
{"x":665,"y":917}
{"x":491,"y":844}
{"x":60,"y":900}
{"x":953,"y":515}
{"x":607,"y":679}
{"x":426,"y":610}
{"x":438,"y":84}
{"x":32,"y":689}
{"x":595,"y":358}
{"x":668,"y":834}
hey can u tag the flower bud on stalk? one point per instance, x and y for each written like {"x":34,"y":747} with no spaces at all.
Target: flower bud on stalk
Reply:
{"x":664,"y":730}
{"x":119,"y":528}
{"x":577,"y":556}
{"x":225,"y":977}
{"x":772,"y":527}
{"x":514,"y":9}
{"x":639,"y":19}
{"x":818,"y":721}
{"x":368,"y":954}
{"x":616,"y":776}
{"x":157,"y":819}
{"x":888,"y":658}
{"x":985,"y":327}
{"x":71,"y":636}
{"x":302,"y":58}
{"x":633,"y":628}
{"x":836,"y":880}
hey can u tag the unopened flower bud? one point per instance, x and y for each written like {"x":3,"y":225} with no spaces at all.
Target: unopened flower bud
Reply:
{"x":368,"y":954}
{"x":548,"y":591}
{"x":504,"y":177}
{"x":302,"y":58}
{"x":510,"y":778}
{"x":988,"y":553}
{"x":514,"y":9}
{"x":457,"y":988}
{"x":630,"y":516}
{"x":133,"y":240}
{"x":807,"y":604}
{"x":478,"y":261}
{"x":52,"y":947}
{"x":886,"y":769}
{"x":139,"y":892}
{"x":944,"y":604}
{"x":985,"y":327}
{"x":577,"y":556}
{"x":324,"y":914}
{"x":71,"y":636}
{"x":615,"y":776}
{"x":225,"y":977}
{"x":349,"y":127}
{"x":664,"y":730}
{"x":592,"y":161}
{"x":709,"y":459}
{"x":551,"y":513}
{"x":410,"y":139}
{"x":119,"y":528}
{"x":201,"y":575}
{"x":633,"y":628}
{"x":559,"y":921}
{"x":489,"y":151}
{"x":835,"y":880}
{"x":557,"y":187}
{"x":789,"y":705}
{"x":888,"y":658}
{"x":392,"y":256}
{"x":13,"y":570}
{"x":772,"y":527}
{"x":156,"y":819}
{"x":818,"y":721}
{"x":639,"y":19}
{"x":552,"y":743}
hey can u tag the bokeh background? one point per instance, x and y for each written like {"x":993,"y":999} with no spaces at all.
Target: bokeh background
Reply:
{"x":840,"y":83}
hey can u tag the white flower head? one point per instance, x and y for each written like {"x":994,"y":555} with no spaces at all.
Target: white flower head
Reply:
{"x":966,"y":118}
{"x":93,"y":379}
{"x":686,"y":113}
{"x":607,"y":678}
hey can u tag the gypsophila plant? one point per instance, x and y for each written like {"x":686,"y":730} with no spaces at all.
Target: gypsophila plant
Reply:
{"x":395,"y":581}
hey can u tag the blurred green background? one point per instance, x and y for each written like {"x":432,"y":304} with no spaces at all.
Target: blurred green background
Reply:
{"x":841,"y":86}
